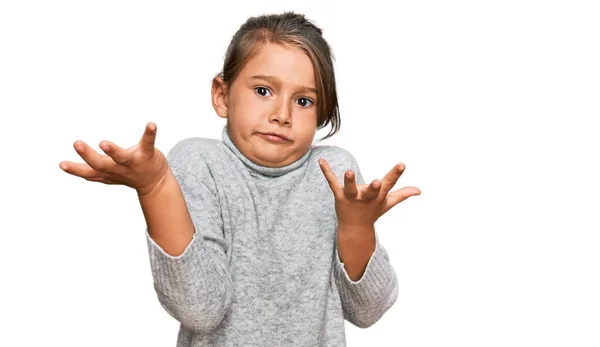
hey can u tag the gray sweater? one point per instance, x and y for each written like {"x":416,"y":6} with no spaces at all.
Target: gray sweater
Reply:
{"x":262,"y":268}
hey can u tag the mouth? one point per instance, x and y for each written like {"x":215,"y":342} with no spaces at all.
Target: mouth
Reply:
{"x":278,"y":138}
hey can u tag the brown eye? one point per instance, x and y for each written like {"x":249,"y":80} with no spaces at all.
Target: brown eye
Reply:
{"x":304,"y":102}
{"x":262,"y":91}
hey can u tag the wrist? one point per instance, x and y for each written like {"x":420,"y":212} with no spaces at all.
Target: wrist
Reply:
{"x":356,"y":230}
{"x":154,"y":188}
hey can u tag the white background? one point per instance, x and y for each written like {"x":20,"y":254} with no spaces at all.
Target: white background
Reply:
{"x":489,"y":104}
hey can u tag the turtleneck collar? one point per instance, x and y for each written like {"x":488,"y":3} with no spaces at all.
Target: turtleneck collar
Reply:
{"x":263,"y":170}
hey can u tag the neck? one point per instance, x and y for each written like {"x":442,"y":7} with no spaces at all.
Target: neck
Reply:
{"x":261,"y":169}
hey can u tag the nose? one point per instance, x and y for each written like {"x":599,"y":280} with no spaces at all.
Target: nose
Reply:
{"x":282,"y":113}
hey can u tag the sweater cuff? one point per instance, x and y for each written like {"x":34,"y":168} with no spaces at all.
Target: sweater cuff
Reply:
{"x":378,"y":280}
{"x":167,"y":269}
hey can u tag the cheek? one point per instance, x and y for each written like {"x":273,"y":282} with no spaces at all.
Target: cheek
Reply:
{"x":308,"y":128}
{"x":309,"y":120}
{"x":250,"y":105}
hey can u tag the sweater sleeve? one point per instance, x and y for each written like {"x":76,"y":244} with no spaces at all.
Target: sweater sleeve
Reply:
{"x":195,"y":287}
{"x":365,"y":301}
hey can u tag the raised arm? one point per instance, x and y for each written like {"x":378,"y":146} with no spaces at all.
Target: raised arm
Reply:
{"x":364,"y":276}
{"x":185,"y":239}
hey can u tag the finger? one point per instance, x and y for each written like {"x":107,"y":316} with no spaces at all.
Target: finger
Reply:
{"x":86,"y":172}
{"x":400,"y":195}
{"x":148,"y":139}
{"x":331,"y":178}
{"x":79,"y":169}
{"x":101,"y":179}
{"x":91,"y":157}
{"x":350,"y":189}
{"x":372,"y":191}
{"x":118,"y":154}
{"x":391,"y":178}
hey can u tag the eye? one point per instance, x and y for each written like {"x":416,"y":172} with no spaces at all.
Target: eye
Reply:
{"x":262,"y":91}
{"x":305,"y":102}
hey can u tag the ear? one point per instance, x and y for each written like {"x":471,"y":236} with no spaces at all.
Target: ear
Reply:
{"x":219,"y":96}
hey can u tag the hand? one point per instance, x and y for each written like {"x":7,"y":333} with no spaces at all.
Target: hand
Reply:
{"x":142,"y":167}
{"x":361,"y":205}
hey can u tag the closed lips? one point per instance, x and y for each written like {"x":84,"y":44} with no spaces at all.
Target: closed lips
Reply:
{"x":275,"y":134}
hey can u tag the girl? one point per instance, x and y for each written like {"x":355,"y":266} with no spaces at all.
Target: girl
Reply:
{"x":254,"y":240}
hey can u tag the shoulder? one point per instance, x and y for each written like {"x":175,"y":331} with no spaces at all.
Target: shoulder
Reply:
{"x":194,"y":145}
{"x":191,"y":150}
{"x":340,"y":160}
{"x":194,"y":160}
{"x":335,"y":155}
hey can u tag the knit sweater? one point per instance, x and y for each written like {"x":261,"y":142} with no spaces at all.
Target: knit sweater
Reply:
{"x":262,"y":268}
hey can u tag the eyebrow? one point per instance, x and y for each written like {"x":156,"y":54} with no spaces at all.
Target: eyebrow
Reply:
{"x":274,"y":80}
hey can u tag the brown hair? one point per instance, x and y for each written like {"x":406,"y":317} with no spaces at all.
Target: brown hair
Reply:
{"x":293,"y":29}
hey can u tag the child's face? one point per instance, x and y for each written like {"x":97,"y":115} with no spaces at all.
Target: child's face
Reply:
{"x":274,"y":92}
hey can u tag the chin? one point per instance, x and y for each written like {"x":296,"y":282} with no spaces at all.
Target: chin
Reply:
{"x":271,"y":161}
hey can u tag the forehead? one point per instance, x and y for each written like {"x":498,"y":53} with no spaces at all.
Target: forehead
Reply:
{"x":291,"y":65}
